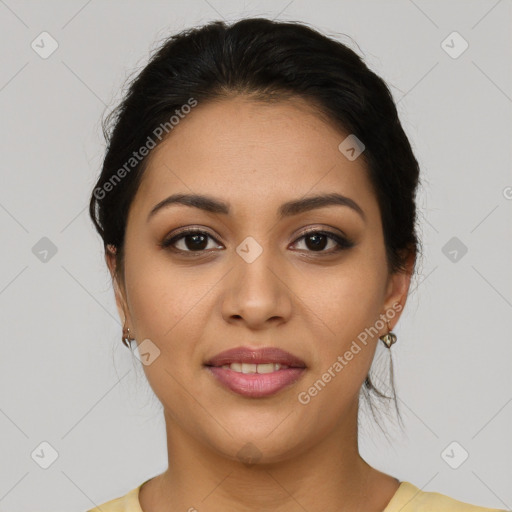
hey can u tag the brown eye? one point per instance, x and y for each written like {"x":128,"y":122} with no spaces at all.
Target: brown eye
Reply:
{"x":316,"y":241}
{"x":191,"y":240}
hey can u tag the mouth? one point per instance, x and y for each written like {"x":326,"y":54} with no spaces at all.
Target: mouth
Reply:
{"x":256,"y":373}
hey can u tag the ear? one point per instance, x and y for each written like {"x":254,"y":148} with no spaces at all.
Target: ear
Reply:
{"x":398,"y":289}
{"x":119,"y":290}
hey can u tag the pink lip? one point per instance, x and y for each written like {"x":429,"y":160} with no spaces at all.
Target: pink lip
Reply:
{"x":256,"y":385}
{"x":256,"y":356}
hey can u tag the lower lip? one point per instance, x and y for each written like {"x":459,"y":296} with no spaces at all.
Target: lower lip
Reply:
{"x":256,"y":385}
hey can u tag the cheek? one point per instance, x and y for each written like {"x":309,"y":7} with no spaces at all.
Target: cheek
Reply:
{"x":161,"y":294}
{"x":347,"y":301}
{"x":166,"y":307}
{"x":348,"y":305}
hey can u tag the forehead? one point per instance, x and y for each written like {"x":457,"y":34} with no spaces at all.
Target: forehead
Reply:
{"x":252,"y":153}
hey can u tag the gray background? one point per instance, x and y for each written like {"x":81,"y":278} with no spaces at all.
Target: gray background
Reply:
{"x":65,"y":377}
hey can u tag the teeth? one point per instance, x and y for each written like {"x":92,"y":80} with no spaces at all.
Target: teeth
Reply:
{"x":249,"y":368}
{"x":254,"y":368}
{"x":264,"y":367}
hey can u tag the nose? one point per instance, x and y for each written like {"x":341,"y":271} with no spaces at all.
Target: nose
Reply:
{"x":256,"y":292}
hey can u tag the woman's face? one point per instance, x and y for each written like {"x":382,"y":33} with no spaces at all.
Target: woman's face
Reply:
{"x":252,"y":278}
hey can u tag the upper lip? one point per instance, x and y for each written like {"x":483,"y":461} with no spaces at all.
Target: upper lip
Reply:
{"x":256,"y":356}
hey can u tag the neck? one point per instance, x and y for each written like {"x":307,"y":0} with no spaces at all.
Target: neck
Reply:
{"x":331,"y":475}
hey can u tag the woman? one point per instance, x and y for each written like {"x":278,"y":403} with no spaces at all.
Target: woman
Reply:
{"x":257,"y":208}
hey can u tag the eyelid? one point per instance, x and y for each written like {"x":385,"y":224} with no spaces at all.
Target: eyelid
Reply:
{"x":328,"y":230}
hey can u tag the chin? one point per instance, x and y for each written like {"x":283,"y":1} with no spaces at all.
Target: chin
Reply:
{"x":255,"y":446}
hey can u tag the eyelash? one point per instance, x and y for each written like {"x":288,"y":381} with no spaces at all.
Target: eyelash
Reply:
{"x":343,"y":243}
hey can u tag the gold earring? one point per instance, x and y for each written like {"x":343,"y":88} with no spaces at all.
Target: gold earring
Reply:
{"x":389,"y":338}
{"x":126,"y":339}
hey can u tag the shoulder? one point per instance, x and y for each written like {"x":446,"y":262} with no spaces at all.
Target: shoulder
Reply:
{"x":408,"y":498}
{"x":127,"y":503}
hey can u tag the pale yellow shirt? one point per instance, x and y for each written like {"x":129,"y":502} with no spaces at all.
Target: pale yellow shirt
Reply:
{"x":407,"y":498}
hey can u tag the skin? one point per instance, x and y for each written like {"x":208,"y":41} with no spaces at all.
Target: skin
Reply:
{"x":256,"y":156}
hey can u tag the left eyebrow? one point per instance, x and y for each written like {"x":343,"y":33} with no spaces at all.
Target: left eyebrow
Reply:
{"x":294,"y":207}
{"x":320,"y":201}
